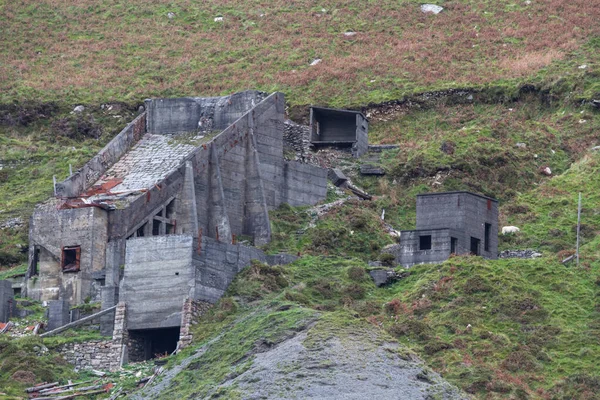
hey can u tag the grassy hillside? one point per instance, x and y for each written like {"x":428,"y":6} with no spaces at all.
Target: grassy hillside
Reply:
{"x":96,"y":51}
{"x":516,"y":80}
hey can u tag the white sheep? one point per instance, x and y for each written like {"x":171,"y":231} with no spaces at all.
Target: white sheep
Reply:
{"x":509,"y":229}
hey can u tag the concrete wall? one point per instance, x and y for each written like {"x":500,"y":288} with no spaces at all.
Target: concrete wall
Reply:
{"x":58,"y":314}
{"x":187,"y":114}
{"x":408,"y":252}
{"x":49,"y":232}
{"x":463,"y":211}
{"x":110,"y":154}
{"x":158,"y":276}
{"x":332,"y":125}
{"x":304,"y":184}
{"x":6,"y":300}
{"x":217,"y":263}
{"x":361,"y":146}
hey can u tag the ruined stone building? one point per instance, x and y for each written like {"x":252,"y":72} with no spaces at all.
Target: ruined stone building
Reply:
{"x":450,"y":223}
{"x":156,"y":218}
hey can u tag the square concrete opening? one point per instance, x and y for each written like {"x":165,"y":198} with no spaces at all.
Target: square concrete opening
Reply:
{"x":339,"y":128}
{"x":146,"y":344}
{"x":70,"y":258}
{"x":425,"y":242}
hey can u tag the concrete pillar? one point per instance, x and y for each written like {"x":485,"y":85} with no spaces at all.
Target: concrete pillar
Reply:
{"x":6,"y":301}
{"x":58,"y":314}
{"x":218,"y":218}
{"x":187,"y":214}
{"x":256,"y":215}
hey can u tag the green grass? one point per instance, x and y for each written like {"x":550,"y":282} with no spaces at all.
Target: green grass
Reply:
{"x":397,"y":51}
{"x":532,"y":322}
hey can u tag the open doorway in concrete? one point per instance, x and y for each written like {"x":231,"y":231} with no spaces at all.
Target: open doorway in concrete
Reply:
{"x":146,"y":344}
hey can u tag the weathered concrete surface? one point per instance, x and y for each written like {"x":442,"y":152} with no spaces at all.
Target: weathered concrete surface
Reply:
{"x":6,"y":300}
{"x":110,"y":154}
{"x":461,"y":211}
{"x":158,"y":276}
{"x":179,"y":177}
{"x":447,"y":217}
{"x":339,"y":127}
{"x":217,"y":263}
{"x":58,"y":314}
{"x":187,"y":114}
{"x":49,"y":232}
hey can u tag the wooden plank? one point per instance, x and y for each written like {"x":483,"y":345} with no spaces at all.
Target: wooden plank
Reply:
{"x":40,"y":387}
{"x":78,"y":322}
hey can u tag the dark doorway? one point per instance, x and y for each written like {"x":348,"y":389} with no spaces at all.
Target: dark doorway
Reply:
{"x":475,"y":244}
{"x":70,"y":258}
{"x":425,"y":242}
{"x":453,"y":245}
{"x":486,"y":238}
{"x":146,"y":344}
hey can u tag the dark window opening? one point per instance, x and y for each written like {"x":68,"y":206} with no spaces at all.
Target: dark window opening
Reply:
{"x":156,"y":227}
{"x":425,"y":242}
{"x":453,"y":245}
{"x":35,"y":263}
{"x":170,"y":209}
{"x":70,"y":259}
{"x":147,"y":344}
{"x":141,"y":231}
{"x":475,"y":243}
{"x":170,"y":229}
{"x":486,"y":237}
{"x":17,"y":292}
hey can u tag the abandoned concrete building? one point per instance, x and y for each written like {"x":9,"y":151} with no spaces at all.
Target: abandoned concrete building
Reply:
{"x":450,"y":223}
{"x":339,"y":128}
{"x":152,"y":225}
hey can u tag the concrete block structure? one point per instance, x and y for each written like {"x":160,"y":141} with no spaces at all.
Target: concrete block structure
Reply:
{"x":155,"y":217}
{"x":339,"y":128}
{"x":6,"y":300}
{"x":450,"y":223}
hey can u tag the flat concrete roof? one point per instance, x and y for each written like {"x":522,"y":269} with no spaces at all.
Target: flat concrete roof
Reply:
{"x":458,"y":192}
{"x":426,"y":230}
{"x":326,"y":110}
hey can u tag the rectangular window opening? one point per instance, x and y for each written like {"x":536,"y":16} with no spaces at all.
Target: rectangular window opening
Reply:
{"x":453,"y":245}
{"x":170,"y":229}
{"x":486,"y":238}
{"x":475,"y":244}
{"x":170,"y":209}
{"x":70,"y":258}
{"x":156,"y":227}
{"x":141,"y":231}
{"x":425,"y":242}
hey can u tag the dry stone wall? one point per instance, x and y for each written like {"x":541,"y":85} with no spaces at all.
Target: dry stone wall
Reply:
{"x":99,"y":354}
{"x":192,"y":310}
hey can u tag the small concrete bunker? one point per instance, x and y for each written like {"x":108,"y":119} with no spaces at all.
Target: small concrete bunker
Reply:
{"x":339,"y":128}
{"x":450,"y":223}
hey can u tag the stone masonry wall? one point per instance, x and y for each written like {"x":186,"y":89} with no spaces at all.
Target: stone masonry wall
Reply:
{"x":99,"y":354}
{"x":192,"y":310}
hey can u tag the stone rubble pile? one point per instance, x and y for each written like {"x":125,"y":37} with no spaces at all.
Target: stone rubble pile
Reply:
{"x":519,"y":254}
